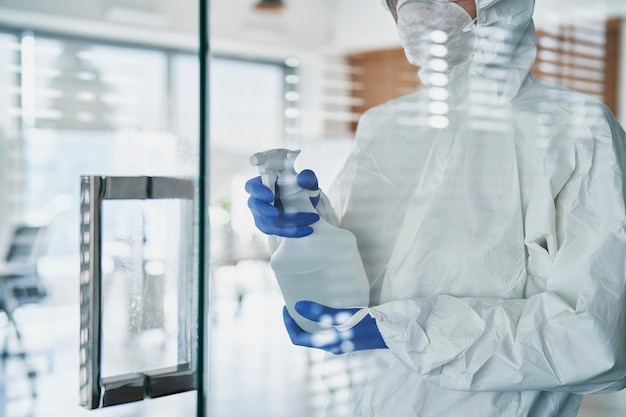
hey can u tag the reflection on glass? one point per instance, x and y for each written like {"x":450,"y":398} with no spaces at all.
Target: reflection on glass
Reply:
{"x":110,"y":122}
{"x":575,"y":55}
{"x":374,"y":74}
{"x":9,"y":158}
{"x":88,"y":88}
{"x":141,"y":298}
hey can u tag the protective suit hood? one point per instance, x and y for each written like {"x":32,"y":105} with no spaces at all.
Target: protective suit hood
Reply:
{"x":505,"y":52}
{"x":506,"y":47}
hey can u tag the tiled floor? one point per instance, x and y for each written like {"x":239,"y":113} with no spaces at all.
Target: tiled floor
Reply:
{"x":255,"y":369}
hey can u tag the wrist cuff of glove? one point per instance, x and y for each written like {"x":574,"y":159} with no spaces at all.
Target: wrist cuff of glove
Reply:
{"x":354,"y":320}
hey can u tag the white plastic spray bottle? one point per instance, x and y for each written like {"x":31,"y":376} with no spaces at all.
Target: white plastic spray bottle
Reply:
{"x":324,"y":266}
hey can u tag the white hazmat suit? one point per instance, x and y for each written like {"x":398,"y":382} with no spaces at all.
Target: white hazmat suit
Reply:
{"x":495,"y":244}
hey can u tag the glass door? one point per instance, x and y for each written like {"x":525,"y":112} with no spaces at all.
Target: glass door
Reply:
{"x":139,"y":319}
{"x":102,"y":133}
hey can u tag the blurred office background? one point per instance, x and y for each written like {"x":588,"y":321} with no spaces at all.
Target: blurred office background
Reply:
{"x":85,"y":84}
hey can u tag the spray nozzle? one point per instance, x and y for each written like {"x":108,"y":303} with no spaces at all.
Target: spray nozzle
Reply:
{"x":273,"y":164}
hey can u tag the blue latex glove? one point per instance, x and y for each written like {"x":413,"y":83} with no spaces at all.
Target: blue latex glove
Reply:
{"x":363,"y":336}
{"x":270,"y":219}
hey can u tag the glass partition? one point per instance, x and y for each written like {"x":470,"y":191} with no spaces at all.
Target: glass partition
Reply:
{"x":89,"y":94}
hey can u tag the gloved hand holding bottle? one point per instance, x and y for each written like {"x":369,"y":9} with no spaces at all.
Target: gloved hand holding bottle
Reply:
{"x":315,"y":260}
{"x":267,"y":211}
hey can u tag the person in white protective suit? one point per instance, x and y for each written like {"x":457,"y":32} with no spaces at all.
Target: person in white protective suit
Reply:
{"x":493,"y":236}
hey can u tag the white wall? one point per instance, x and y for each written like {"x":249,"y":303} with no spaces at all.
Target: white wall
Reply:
{"x":303,"y":24}
{"x":363,"y":24}
{"x":130,"y":26}
{"x":179,"y":15}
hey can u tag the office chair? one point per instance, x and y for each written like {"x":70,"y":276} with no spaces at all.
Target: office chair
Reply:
{"x":20,"y":283}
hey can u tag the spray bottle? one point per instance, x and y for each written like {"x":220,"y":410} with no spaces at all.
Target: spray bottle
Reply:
{"x":324,"y":266}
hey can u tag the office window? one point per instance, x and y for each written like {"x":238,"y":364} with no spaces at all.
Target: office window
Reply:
{"x":67,"y":98}
{"x":82,"y":86}
{"x":78,"y":97}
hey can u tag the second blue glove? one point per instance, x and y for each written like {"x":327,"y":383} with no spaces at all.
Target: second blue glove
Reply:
{"x":363,"y":336}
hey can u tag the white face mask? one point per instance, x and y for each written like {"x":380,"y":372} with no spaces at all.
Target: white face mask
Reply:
{"x":430,"y":29}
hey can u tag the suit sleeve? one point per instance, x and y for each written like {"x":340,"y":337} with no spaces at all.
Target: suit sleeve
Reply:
{"x":569,"y":336}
